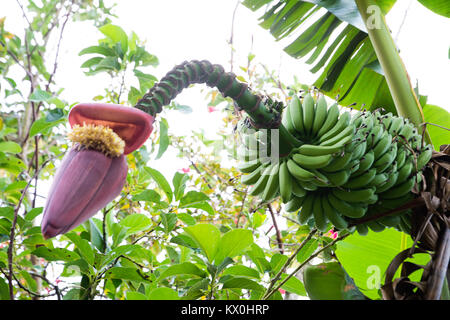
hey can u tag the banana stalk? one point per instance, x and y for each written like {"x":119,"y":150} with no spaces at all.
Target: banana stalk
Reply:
{"x":397,"y":78}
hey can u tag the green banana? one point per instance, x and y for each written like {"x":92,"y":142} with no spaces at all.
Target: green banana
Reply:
{"x":397,"y":124}
{"x":375,"y":226}
{"x":343,"y":137}
{"x":404,"y":172}
{"x":389,"y":184}
{"x":346,"y":209}
{"x":338,"y":163}
{"x":361,"y":180}
{"x":365,"y":163}
{"x":286,"y":120}
{"x":318,"y":150}
{"x":297,"y":190}
{"x":253,"y":177}
{"x":401,"y":157}
{"x":330,"y":122}
{"x":382,"y":145}
{"x":307,"y":207}
{"x":294,"y":204}
{"x":272,"y":187}
{"x":354,"y":196}
{"x":362,"y":229}
{"x":400,"y":190}
{"x":340,"y":125}
{"x":298,"y":172}
{"x":296,"y":113}
{"x":285,"y":182}
{"x":378,"y":180}
{"x":333,"y":216}
{"x":321,"y":112}
{"x":260,"y":185}
{"x":308,"y":113}
{"x":338,"y":178}
{"x":250,"y":166}
{"x":375,"y":135}
{"x":312,"y":162}
{"x":387,"y":159}
{"x":360,"y":150}
{"x":424,"y":157}
{"x":320,"y":219}
{"x":307,"y":185}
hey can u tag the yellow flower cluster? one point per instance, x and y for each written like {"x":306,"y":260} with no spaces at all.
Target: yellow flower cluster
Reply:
{"x":98,"y":138}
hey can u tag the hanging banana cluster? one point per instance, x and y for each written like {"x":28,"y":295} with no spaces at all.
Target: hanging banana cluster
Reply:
{"x":343,"y":167}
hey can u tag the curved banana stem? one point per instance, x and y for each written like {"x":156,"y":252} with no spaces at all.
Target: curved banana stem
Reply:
{"x":397,"y":78}
{"x":263,"y":112}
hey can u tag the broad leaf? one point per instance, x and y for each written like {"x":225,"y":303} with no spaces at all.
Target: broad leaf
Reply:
{"x":207,"y":237}
{"x":441,"y":7}
{"x":182,"y":269}
{"x":163,"y":293}
{"x":233,"y":243}
{"x":338,"y":44}
{"x":441,"y":117}
{"x":365,"y":258}
{"x":161,"y":181}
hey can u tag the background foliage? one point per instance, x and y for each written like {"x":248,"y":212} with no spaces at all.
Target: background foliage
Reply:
{"x":195,"y":234}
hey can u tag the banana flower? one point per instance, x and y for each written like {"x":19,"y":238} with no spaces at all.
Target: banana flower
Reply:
{"x":94,"y":171}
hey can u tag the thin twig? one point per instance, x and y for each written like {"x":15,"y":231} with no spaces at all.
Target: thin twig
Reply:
{"x":288,"y":261}
{"x":277,"y":230}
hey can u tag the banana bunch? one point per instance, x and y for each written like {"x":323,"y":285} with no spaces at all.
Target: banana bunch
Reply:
{"x":347,"y":166}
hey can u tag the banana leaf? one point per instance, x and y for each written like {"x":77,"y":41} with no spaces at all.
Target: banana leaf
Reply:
{"x":338,"y":46}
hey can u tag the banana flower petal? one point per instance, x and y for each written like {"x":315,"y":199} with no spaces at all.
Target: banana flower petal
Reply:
{"x":85,"y":183}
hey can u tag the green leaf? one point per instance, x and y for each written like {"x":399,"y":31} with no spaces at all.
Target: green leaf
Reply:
{"x":42,"y":125}
{"x":55,"y":254}
{"x":96,"y":235}
{"x":4,"y":290}
{"x":10,"y":147}
{"x":90,"y":63}
{"x":168,"y":220}
{"x":119,"y":251}
{"x":33,"y":213}
{"x":441,"y":7}
{"x":164,"y":140}
{"x":116,"y":34}
{"x":187,"y":218}
{"x":307,"y":250}
{"x":148,"y":195}
{"x":277,"y":261}
{"x":134,"y":295}
{"x":182,"y":269}
{"x":163,"y":293}
{"x":366,"y":258}
{"x":240,"y":270}
{"x":205,"y":206}
{"x":161,"y":181}
{"x":193,"y":197}
{"x":439,"y":116}
{"x":126,"y":273}
{"x":233,"y":243}
{"x":103,"y":50}
{"x":84,"y":247}
{"x":54,"y":115}
{"x":207,"y":237}
{"x":184,"y":240}
{"x":136,"y":222}
{"x":179,"y":184}
{"x":39,"y":95}
{"x":242,"y":283}
{"x":293,"y":285}
{"x":345,"y":56}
